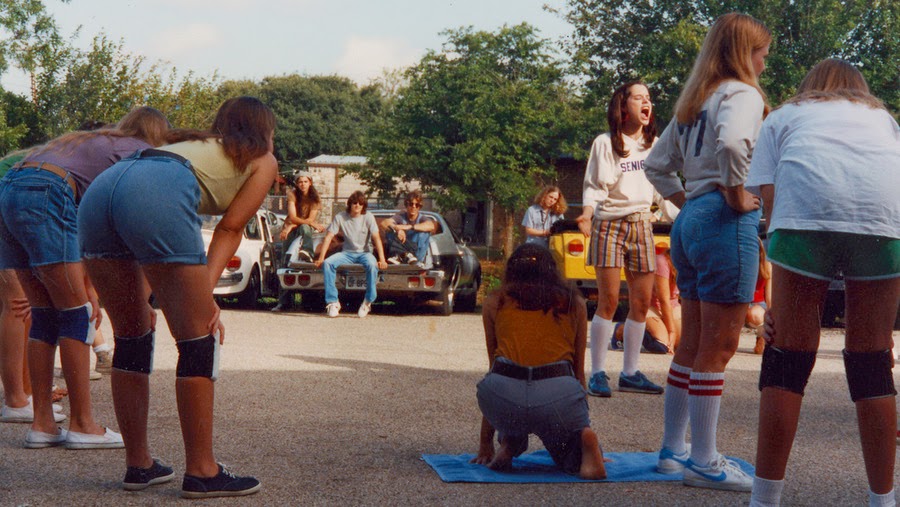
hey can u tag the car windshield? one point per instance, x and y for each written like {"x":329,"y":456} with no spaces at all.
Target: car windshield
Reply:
{"x":209,"y":222}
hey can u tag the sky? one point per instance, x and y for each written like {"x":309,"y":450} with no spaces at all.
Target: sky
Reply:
{"x":252,"y":39}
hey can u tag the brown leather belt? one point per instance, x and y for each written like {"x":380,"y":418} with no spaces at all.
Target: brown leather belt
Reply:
{"x":55,"y":169}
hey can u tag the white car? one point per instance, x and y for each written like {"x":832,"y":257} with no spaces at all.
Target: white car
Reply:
{"x":250,"y":273}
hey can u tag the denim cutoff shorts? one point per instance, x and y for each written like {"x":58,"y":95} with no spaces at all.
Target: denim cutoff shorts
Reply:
{"x":37,"y":220}
{"x":143,"y":209}
{"x":715,"y":250}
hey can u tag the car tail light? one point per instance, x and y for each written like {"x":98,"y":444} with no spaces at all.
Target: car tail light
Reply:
{"x":234,"y":264}
{"x":575,"y":247}
{"x":429,"y":281}
{"x":290,"y":280}
{"x":412,"y":282}
{"x":304,"y":280}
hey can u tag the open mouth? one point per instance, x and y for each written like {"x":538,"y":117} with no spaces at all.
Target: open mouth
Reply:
{"x":645,"y":113}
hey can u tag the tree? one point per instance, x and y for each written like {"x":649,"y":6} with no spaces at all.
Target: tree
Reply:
{"x":319,"y":114}
{"x":480,"y":120}
{"x":615,"y":41}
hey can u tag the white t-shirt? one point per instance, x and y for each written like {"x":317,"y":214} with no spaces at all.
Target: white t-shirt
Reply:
{"x":616,"y":187}
{"x":358,"y":230}
{"x":835,"y":166}
{"x":715,"y":149}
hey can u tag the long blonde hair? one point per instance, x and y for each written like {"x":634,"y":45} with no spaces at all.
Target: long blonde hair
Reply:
{"x":835,"y":79}
{"x":725,"y":54}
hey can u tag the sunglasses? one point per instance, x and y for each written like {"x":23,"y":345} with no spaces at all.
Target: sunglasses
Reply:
{"x":416,"y":205}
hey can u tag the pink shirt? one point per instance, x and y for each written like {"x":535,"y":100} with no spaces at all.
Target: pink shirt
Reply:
{"x":664,"y":271}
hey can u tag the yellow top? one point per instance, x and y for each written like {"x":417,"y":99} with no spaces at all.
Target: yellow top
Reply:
{"x":533,"y":338}
{"x":218,"y":178}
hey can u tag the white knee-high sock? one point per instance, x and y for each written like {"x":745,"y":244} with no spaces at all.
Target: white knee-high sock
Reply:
{"x":633,"y":338}
{"x":704,"y":400}
{"x":885,"y":500}
{"x":601,"y":335}
{"x":675,"y":408}
{"x":766,"y":492}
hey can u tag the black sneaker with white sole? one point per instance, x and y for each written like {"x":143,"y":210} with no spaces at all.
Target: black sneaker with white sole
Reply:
{"x":137,"y":478}
{"x":223,"y":484}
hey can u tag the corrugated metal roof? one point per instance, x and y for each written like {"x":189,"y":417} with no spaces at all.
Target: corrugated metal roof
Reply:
{"x":337,"y":160}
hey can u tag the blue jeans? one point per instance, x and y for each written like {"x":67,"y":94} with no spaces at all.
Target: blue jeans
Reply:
{"x":329,"y":269}
{"x":37,"y":220}
{"x":416,"y":243}
{"x":715,"y":250}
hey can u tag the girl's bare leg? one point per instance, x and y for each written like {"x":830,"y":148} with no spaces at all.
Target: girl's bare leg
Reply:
{"x":871,"y":308}
{"x":13,"y":339}
{"x":592,"y":466}
{"x":796,"y":300}
{"x":185,"y":297}
{"x":121,"y":286}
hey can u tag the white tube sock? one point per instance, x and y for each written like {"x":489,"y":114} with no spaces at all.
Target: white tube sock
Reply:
{"x":704,"y":400}
{"x":601,"y":335}
{"x":766,"y":492}
{"x":886,"y":500}
{"x":633,"y":338}
{"x":675,"y":408}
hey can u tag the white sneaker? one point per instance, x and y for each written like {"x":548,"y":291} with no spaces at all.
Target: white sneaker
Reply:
{"x":671,"y":463}
{"x":333,"y":309}
{"x":303,"y":256}
{"x":364,"y":309}
{"x":722,"y":473}
{"x":26,"y":414}
{"x":40,"y":440}
{"x":109,"y":440}
{"x":393,"y":260}
{"x":411,"y":259}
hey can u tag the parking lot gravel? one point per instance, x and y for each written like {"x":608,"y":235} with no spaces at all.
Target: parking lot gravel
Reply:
{"x":338,"y":412}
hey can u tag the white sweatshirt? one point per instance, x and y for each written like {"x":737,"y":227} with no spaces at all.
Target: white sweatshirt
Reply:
{"x":616,"y":187}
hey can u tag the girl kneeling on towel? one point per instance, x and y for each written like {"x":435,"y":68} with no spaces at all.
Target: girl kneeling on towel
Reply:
{"x":536,"y":333}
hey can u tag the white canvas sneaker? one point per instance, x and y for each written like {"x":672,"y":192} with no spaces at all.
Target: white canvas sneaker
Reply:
{"x":333,"y":309}
{"x":364,"y":309}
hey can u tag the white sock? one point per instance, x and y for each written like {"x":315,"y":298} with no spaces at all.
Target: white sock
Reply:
{"x":601,"y":335}
{"x":885,"y":500}
{"x":704,"y":399}
{"x":675,"y":408}
{"x":766,"y":492}
{"x":632,"y":339}
{"x":102,"y":348}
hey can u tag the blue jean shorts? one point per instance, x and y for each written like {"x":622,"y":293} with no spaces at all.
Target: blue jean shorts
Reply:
{"x":37,"y":220}
{"x":715,"y":250}
{"x":143,"y":209}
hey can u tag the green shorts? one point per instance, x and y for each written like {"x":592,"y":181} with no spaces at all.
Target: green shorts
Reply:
{"x":823,"y":254}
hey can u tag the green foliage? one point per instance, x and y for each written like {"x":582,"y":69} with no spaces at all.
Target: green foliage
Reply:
{"x":615,"y":41}
{"x":317,"y":114}
{"x":482,"y":119}
{"x":26,"y":32}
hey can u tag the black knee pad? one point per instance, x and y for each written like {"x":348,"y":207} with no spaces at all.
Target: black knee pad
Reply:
{"x":198,"y":357}
{"x":134,"y":354}
{"x":44,"y":325}
{"x":869,"y":374}
{"x":786,"y":369}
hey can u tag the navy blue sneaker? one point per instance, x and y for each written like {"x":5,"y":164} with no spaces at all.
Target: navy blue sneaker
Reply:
{"x":638,"y":383}
{"x":224,"y":484}
{"x":137,"y":478}
{"x":599,"y":385}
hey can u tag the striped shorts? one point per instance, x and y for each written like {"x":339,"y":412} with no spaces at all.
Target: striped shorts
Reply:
{"x":620,"y":243}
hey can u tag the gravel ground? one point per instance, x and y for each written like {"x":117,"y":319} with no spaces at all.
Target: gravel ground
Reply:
{"x":339,"y":411}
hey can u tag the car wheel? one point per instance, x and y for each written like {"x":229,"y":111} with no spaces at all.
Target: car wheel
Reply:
{"x":249,"y":298}
{"x":447,"y":299}
{"x":468,"y":302}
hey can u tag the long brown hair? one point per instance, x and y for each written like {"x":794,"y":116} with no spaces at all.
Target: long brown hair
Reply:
{"x":616,"y":121}
{"x":144,"y":123}
{"x":243,"y":124}
{"x":561,"y":205}
{"x":305,"y":203}
{"x":725,"y":55}
{"x":835,"y":79}
{"x":533,"y":281}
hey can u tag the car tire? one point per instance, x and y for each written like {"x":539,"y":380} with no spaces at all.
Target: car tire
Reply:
{"x":447,"y":299}
{"x":249,"y":298}
{"x":468,"y":302}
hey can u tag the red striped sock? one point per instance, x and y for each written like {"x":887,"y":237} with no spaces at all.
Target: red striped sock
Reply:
{"x":704,"y":400}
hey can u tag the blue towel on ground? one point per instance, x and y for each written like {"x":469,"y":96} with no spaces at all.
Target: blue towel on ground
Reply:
{"x":539,"y":467}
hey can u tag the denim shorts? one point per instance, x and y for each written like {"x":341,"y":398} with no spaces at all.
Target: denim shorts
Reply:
{"x":715,"y":250}
{"x":37,"y":220}
{"x":143,"y":209}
